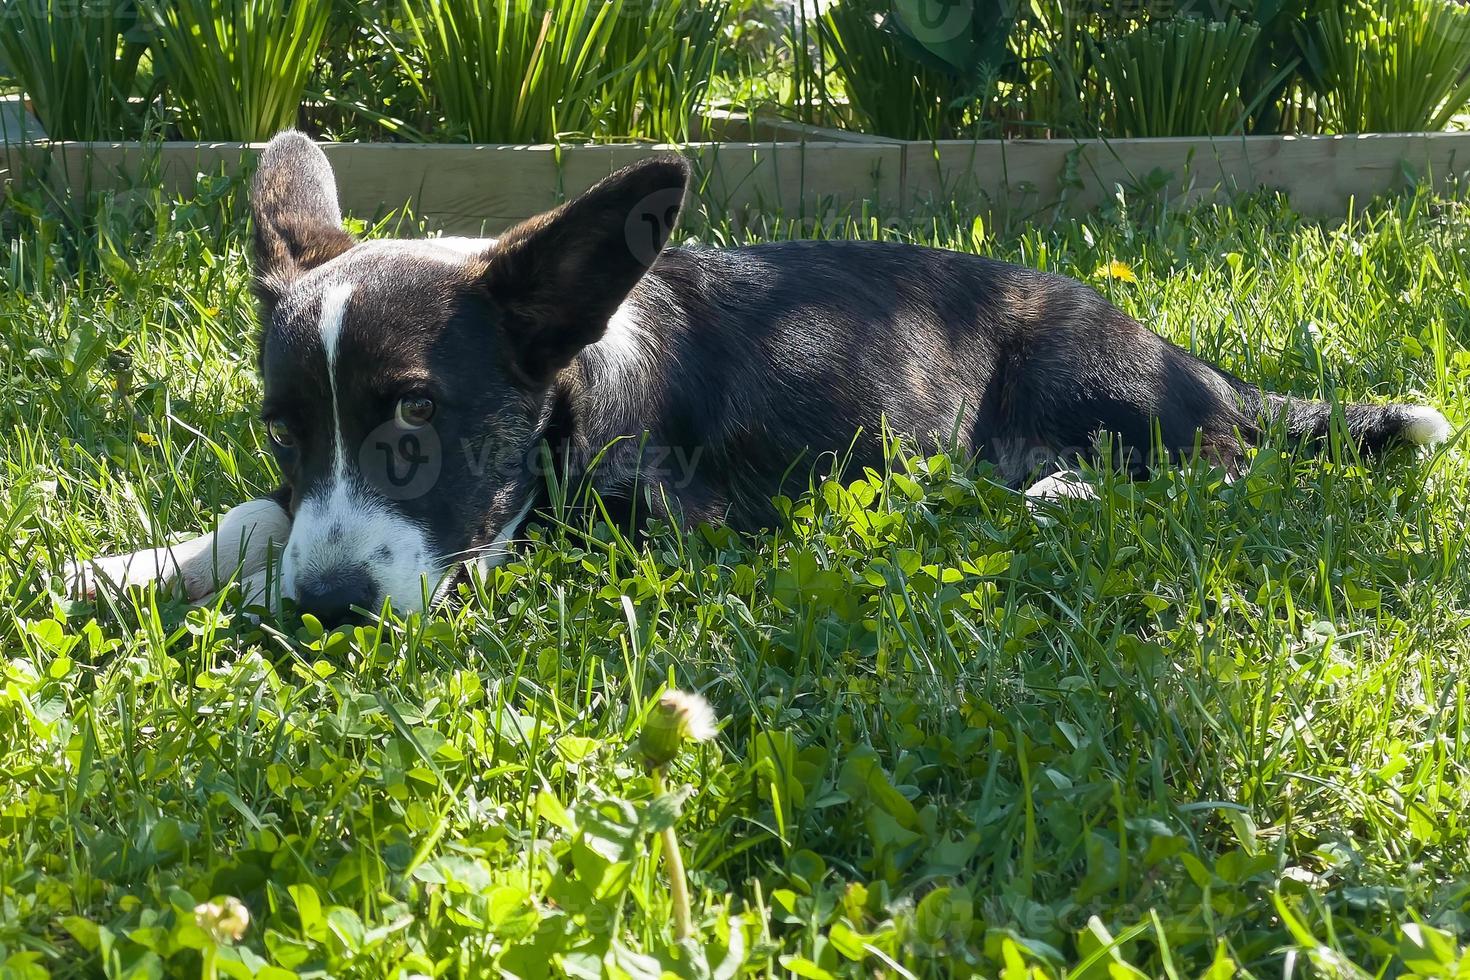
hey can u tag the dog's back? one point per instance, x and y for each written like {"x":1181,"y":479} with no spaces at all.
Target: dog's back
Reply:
{"x":757,"y":357}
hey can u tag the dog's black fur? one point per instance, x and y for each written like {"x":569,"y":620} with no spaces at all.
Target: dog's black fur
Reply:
{"x":737,"y":363}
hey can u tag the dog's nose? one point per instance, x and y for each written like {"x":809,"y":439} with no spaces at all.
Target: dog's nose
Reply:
{"x":330,"y":598}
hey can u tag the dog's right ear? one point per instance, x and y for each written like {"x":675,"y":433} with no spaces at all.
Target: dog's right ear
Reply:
{"x":558,"y":278}
{"x":293,"y":201}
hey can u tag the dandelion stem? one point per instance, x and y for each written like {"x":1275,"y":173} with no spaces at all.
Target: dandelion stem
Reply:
{"x":678,"y":886}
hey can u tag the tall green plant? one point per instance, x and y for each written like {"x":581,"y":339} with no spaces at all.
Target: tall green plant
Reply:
{"x":920,"y":69}
{"x":664,"y":55}
{"x":1053,"y":47}
{"x":528,"y":71}
{"x":888,"y":92}
{"x":804,"y":40}
{"x":1389,"y":66}
{"x":1272,"y":72}
{"x":1176,"y":78}
{"x":237,"y":69}
{"x":78,"y":63}
{"x":358,"y":90}
{"x":510,"y":71}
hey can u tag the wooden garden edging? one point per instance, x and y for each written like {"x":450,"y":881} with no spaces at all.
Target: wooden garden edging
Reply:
{"x":461,"y":189}
{"x":1320,"y":174}
{"x":789,"y":171}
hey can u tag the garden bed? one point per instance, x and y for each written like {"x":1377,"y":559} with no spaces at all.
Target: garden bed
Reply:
{"x":1321,"y":175}
{"x":504,"y":80}
{"x":777,"y":169}
{"x":763,"y":168}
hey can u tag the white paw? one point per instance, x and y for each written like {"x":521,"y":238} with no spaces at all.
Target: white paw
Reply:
{"x":83,"y":579}
{"x":1066,"y":485}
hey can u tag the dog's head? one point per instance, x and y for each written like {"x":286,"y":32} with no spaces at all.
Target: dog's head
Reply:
{"x":408,"y":382}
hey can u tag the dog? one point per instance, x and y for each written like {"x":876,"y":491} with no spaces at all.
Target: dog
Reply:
{"x":415,"y":391}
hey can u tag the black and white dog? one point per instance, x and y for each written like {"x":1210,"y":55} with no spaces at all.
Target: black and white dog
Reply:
{"x":411,"y":388}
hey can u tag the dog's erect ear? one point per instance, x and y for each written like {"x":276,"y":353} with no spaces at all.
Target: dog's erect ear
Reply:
{"x":293,"y":201}
{"x":559,"y":277}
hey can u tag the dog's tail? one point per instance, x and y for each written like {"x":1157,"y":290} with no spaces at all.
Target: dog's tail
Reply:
{"x":1373,"y":428}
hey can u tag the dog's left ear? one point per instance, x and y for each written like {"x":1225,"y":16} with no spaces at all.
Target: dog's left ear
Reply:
{"x":293,"y":202}
{"x":559,"y":277}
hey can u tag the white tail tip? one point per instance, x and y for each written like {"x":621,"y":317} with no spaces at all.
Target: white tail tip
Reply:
{"x":1424,"y":426}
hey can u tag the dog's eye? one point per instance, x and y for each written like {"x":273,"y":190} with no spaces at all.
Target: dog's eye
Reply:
{"x":280,"y":433}
{"x":415,"y":410}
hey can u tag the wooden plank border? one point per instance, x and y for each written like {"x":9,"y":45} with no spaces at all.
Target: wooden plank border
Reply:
{"x":802,"y":174}
{"x":466,"y":189}
{"x":1320,"y":174}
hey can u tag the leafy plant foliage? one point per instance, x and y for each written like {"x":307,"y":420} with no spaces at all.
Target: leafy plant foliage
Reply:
{"x":600,"y":70}
{"x":78,"y":63}
{"x":237,"y":68}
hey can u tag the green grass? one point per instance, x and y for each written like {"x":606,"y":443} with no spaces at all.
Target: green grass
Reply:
{"x":1191,"y":727}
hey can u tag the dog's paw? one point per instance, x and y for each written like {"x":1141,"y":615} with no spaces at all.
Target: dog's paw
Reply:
{"x":83,"y":579}
{"x":1066,"y":485}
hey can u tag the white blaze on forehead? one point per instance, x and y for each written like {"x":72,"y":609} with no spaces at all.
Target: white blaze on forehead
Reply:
{"x":334,"y":311}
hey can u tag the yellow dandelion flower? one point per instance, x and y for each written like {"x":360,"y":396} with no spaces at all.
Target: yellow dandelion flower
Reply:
{"x":1117,"y":269}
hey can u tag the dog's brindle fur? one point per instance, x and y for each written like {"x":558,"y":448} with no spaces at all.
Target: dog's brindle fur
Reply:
{"x":560,"y":335}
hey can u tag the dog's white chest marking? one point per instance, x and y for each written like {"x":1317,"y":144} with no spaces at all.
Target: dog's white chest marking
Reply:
{"x":623,"y":348}
{"x":620,"y":359}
